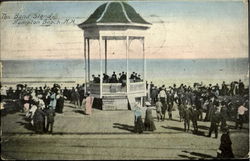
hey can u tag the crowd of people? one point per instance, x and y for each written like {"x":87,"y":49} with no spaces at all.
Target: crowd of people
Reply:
{"x":230,"y":102}
{"x":201,"y":97}
{"x":220,"y":105}
{"x":40,"y":104}
{"x":121,"y":78}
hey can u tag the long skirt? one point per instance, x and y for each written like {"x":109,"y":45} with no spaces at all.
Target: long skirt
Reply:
{"x":139,"y":125}
{"x":59,"y":105}
{"x":149,"y":125}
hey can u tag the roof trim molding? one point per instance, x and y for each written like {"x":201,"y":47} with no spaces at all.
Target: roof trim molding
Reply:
{"x":115,"y":24}
{"x":103,"y":13}
{"x":125,"y":12}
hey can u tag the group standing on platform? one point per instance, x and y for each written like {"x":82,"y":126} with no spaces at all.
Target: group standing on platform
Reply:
{"x":114,"y":78}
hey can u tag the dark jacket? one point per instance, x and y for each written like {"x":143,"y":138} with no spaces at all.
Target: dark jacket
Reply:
{"x":39,"y":116}
{"x":225,"y":146}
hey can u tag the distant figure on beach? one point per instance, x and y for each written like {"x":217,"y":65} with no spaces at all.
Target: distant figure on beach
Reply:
{"x":241,"y":88}
{"x":194,"y":118}
{"x":215,"y":120}
{"x":153,"y":95}
{"x":225,"y":149}
{"x":149,"y":120}
{"x":88,"y":102}
{"x":170,"y":103}
{"x":163,"y":96}
{"x":187,"y":116}
{"x":240,"y":116}
{"x":60,"y":102}
{"x":75,"y":97}
{"x":53,"y":99}
{"x":158,"y":110}
{"x":138,"y":119}
{"x":224,"y":114}
{"x":181,"y":110}
{"x":39,"y":120}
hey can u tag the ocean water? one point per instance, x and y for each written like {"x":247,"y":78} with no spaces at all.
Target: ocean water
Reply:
{"x":157,"y":69}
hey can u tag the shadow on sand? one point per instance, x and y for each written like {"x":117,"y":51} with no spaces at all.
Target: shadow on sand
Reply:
{"x":203,"y":127}
{"x":26,"y":125}
{"x":80,"y":112}
{"x":123,"y":127}
{"x":196,"y":154}
{"x":173,"y":128}
{"x":199,"y":133}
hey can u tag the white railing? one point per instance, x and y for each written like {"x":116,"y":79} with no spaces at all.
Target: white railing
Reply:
{"x":137,"y":86}
{"x":108,"y":88}
{"x":94,"y":88}
{"x":117,"y":88}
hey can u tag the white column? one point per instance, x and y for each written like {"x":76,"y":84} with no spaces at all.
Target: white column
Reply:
{"x":106,"y":56}
{"x":144,"y":65}
{"x":100,"y":52}
{"x":127,"y":57}
{"x":85,"y":63}
{"x":88,"y":60}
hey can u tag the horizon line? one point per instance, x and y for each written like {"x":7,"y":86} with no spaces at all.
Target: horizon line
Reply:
{"x":123,"y":58}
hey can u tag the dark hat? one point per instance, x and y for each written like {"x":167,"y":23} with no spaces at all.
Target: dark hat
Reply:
{"x":225,"y":129}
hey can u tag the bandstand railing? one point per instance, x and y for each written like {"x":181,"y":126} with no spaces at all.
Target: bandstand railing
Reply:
{"x":135,"y":88}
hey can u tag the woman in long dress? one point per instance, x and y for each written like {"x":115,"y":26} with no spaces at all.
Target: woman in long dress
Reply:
{"x":225,"y":149}
{"x":60,"y":102}
{"x":138,"y":119}
{"x":88,"y":104}
{"x":149,"y":120}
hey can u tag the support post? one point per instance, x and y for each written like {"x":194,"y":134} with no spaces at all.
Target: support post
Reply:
{"x":88,"y":60}
{"x":100,"y":52}
{"x":127,"y":57}
{"x":144,"y":66}
{"x":85,"y":63}
{"x":106,"y":56}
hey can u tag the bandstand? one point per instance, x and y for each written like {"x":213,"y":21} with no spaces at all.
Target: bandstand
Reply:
{"x":114,"y":21}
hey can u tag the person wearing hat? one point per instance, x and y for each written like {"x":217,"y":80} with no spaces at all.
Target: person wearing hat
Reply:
{"x":215,"y":120}
{"x":194,"y":118}
{"x":153,"y":95}
{"x":39,"y":119}
{"x":88,"y":104}
{"x":187,"y":116}
{"x":139,"y":126}
{"x":53,"y":100}
{"x":224,"y":114}
{"x":162,"y":96}
{"x":225,"y":149}
{"x":158,"y":106}
{"x":240,"y":116}
{"x":170,"y":103}
{"x":149,"y":120}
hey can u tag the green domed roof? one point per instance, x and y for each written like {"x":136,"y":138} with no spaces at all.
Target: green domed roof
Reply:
{"x":114,"y":12}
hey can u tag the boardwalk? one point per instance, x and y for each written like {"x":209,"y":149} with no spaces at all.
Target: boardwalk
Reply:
{"x":108,"y":135}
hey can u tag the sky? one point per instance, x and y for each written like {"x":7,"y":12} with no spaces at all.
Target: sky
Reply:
{"x":180,"y":30}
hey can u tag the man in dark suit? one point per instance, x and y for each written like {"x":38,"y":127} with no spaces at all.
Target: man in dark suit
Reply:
{"x":187,"y":117}
{"x":105,"y":78}
{"x":215,"y":120}
{"x":195,"y":116}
